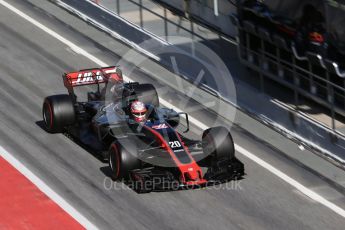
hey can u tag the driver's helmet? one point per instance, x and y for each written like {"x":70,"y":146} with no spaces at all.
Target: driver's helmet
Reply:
{"x":138,"y":111}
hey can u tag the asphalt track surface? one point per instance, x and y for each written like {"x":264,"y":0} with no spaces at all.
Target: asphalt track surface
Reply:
{"x":31,"y":64}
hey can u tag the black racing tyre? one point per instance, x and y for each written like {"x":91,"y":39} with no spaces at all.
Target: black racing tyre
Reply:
{"x":122,"y":160}
{"x":217,"y":143}
{"x":58,"y":113}
{"x":147,"y":94}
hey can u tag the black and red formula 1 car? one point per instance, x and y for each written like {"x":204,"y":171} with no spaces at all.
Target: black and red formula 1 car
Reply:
{"x":151,"y":154}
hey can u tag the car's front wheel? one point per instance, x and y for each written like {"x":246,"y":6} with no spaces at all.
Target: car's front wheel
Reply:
{"x":218,"y":144}
{"x":122,"y":159}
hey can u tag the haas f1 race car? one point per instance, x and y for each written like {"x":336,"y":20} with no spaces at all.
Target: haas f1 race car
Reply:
{"x":149,"y":154}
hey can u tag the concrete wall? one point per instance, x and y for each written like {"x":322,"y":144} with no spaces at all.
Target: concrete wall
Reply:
{"x":204,"y":9}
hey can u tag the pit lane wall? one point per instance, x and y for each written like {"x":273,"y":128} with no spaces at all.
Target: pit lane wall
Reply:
{"x":215,"y":13}
{"x":294,"y":126}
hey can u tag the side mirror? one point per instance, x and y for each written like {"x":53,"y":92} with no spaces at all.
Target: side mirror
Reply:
{"x":173,"y":118}
{"x":187,"y":121}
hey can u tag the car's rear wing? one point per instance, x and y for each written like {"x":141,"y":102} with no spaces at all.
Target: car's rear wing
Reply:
{"x":91,"y":76}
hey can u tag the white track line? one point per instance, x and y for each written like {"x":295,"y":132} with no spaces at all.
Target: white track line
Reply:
{"x":306,"y":191}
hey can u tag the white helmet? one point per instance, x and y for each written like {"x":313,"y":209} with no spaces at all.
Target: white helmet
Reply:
{"x":138,"y":111}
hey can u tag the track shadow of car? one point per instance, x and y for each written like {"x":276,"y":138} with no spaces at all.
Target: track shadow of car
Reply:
{"x":126,"y":184}
{"x":96,"y":155}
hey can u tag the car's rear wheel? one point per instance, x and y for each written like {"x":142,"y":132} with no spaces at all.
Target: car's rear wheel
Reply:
{"x":58,"y":113}
{"x":218,"y":144}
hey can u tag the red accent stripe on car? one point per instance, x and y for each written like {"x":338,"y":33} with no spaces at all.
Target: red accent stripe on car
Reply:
{"x":192,"y":169}
{"x":113,"y":146}
{"x":51,"y":115}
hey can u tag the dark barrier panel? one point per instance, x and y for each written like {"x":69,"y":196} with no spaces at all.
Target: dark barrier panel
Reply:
{"x":335,"y":13}
{"x":293,"y":9}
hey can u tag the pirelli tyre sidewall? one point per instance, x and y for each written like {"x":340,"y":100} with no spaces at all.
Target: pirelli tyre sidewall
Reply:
{"x":217,"y":143}
{"x":58,"y":112}
{"x":122,"y":160}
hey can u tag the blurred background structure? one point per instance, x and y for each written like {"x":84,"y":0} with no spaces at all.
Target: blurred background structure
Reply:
{"x":293,"y":50}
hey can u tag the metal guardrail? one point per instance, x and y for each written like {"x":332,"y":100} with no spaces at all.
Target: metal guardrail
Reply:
{"x":296,"y":74}
{"x":164,"y":17}
{"x":142,"y":8}
{"x":193,"y":21}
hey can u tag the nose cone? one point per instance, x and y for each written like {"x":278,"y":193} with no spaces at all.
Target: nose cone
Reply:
{"x":193,"y":178}
{"x":192,"y":175}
